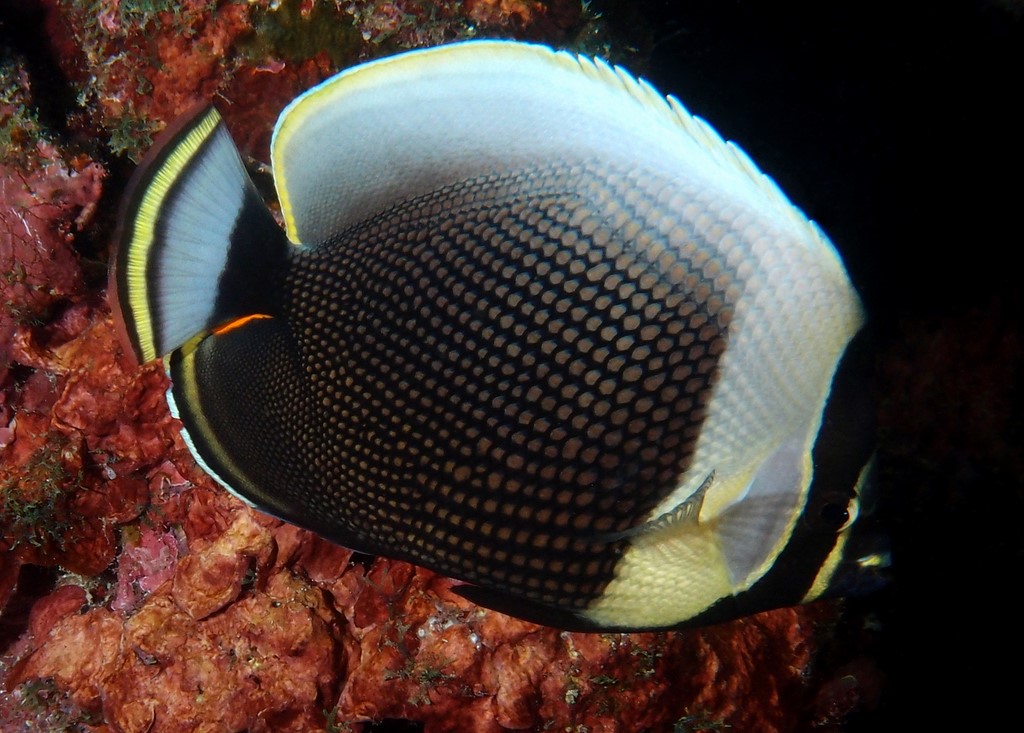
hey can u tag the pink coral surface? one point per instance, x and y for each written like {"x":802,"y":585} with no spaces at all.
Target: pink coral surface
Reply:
{"x":174,"y":607}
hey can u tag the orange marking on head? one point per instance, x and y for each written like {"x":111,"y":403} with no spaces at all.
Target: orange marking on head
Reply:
{"x":237,"y":323}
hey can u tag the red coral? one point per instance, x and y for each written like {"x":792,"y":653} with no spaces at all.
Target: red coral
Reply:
{"x":41,"y":207}
{"x":63,"y":602}
{"x":264,"y":663}
{"x":143,"y":566}
{"x":209,"y":579}
{"x":521,"y":13}
{"x":65,"y":461}
{"x":139,"y":70}
{"x":213,"y":647}
{"x":428,"y":655}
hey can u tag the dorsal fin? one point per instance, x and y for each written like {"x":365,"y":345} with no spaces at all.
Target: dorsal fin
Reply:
{"x":400,"y":126}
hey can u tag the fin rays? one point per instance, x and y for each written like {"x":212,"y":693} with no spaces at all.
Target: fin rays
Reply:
{"x":686,"y":512}
{"x":185,"y":202}
{"x":350,"y":145}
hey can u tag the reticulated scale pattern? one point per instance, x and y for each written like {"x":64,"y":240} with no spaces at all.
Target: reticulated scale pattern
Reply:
{"x":502,"y":374}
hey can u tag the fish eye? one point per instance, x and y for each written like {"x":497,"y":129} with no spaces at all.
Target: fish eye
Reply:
{"x":833,"y":512}
{"x":834,"y":515}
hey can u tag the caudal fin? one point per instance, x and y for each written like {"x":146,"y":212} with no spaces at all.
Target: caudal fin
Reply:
{"x":191,"y":222}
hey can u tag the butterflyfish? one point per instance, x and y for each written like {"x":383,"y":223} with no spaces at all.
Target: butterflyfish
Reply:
{"x":527,"y":323}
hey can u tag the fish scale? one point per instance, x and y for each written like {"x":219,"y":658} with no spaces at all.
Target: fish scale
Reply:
{"x":383,"y":272}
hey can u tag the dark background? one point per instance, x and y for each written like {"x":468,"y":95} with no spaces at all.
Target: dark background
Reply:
{"x":896,"y":126}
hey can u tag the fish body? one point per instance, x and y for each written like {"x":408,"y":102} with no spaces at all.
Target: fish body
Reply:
{"x":529,"y":324}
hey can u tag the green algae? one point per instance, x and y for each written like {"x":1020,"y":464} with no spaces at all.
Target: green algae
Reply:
{"x":20,"y":129}
{"x":283,"y":31}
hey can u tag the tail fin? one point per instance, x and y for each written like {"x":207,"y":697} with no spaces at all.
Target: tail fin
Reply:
{"x":196,"y":241}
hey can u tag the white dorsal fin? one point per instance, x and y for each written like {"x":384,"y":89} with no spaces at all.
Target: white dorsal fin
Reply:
{"x":403,"y":125}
